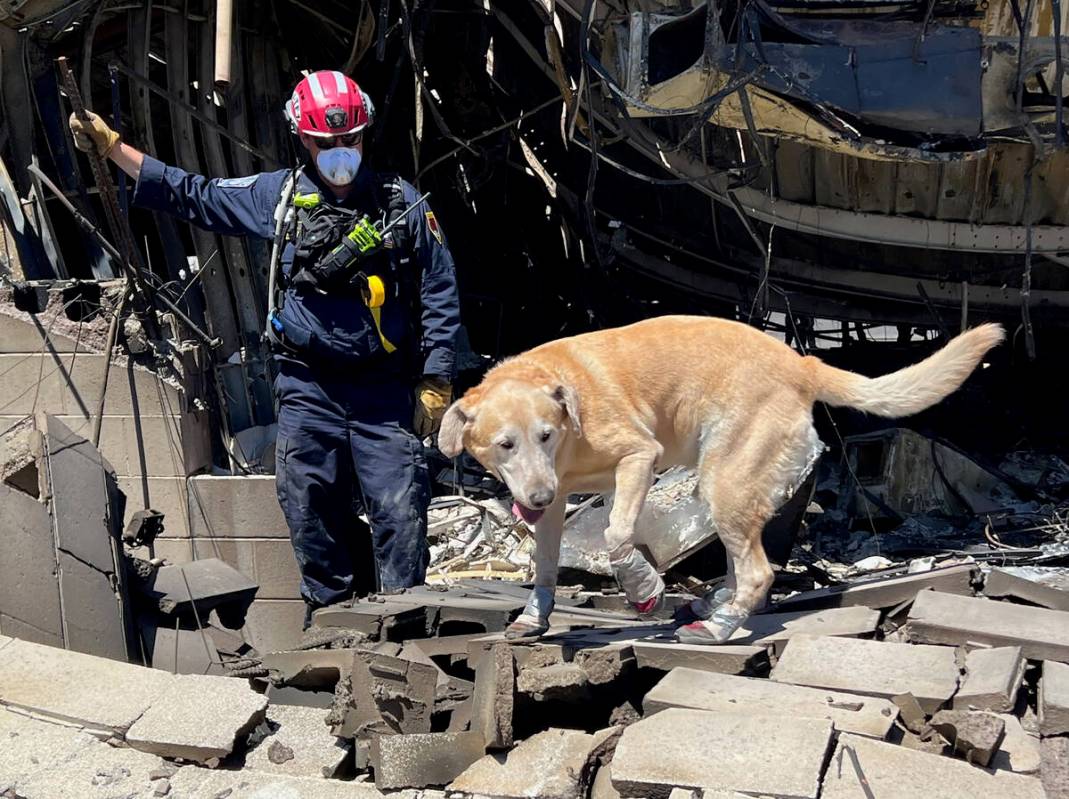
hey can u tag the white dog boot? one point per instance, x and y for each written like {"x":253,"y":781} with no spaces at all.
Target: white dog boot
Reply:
{"x":534,"y":621}
{"x":717,"y":629}
{"x":640,"y":582}
{"x":705,"y":606}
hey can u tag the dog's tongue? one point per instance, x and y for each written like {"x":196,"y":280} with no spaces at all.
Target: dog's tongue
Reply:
{"x":527,"y":514}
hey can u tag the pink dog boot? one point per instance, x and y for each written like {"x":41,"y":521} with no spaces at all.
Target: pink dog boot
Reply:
{"x":717,"y":629}
{"x":650,"y":607}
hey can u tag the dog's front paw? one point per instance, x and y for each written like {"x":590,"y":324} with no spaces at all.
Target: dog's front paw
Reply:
{"x":717,"y":629}
{"x":703,"y":607}
{"x":527,"y":627}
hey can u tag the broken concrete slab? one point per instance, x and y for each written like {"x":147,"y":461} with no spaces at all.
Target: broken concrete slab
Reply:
{"x":494,"y":697}
{"x":939,"y":618}
{"x":1005,"y":583}
{"x":992,"y":679}
{"x":775,"y":629}
{"x":446,"y":644}
{"x":100,"y":771}
{"x":554,"y":764}
{"x":102,"y":695}
{"x":1053,"y":701}
{"x":198,"y":718}
{"x":420,"y":760}
{"x":391,"y":621}
{"x":203,"y":585}
{"x":698,"y":749}
{"x":1019,"y":752}
{"x":873,"y":668}
{"x":974,"y":734}
{"x":605,"y":664}
{"x":29,"y":591}
{"x":309,"y":668}
{"x":300,"y":744}
{"x":602,"y":787}
{"x":87,"y":511}
{"x":862,"y":768}
{"x":389,"y":694}
{"x":447,"y":609}
{"x":32,"y":746}
{"x":1054,"y":771}
{"x":565,"y":681}
{"x":248,"y":784}
{"x":726,"y":659}
{"x":180,"y":651}
{"x":888,"y":592}
{"x":724,"y":693}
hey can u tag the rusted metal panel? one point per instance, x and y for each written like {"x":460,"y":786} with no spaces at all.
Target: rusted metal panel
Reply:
{"x":875,"y":181}
{"x":1001,"y":190}
{"x":833,"y":178}
{"x":916,"y":189}
{"x":794,"y":171}
{"x":957,"y":188}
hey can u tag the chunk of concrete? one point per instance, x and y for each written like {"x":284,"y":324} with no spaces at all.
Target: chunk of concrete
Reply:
{"x":725,"y":693}
{"x":602,"y":787}
{"x":309,"y":668}
{"x":494,"y":697}
{"x":390,"y":694}
{"x":560,"y":681}
{"x":310,"y":749}
{"x":1003,"y":583}
{"x":198,"y":718}
{"x":605,"y":664}
{"x":180,"y":651}
{"x":1019,"y":752}
{"x":873,"y":668}
{"x":776,"y":629}
{"x":862,"y":768}
{"x":992,"y":679}
{"x":32,"y":746}
{"x":698,"y":749}
{"x":1053,"y":700}
{"x":554,"y":764}
{"x":973,"y":734}
{"x":195,"y":783}
{"x":726,"y":659}
{"x":939,"y":618}
{"x":1054,"y":771}
{"x":881,"y":593}
{"x":102,"y":695}
{"x":447,"y":609}
{"x":197,"y":588}
{"x":420,"y":760}
{"x":99,"y":771}
{"x":377,"y":620}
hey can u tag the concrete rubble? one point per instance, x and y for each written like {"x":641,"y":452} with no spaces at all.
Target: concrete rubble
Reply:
{"x":944,"y":675}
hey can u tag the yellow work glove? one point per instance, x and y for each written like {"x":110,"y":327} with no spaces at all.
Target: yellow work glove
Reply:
{"x":433,"y":396}
{"x":93,"y":134}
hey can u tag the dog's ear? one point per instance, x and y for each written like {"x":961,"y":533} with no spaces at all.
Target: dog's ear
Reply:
{"x":451,"y":432}
{"x":568,"y":397}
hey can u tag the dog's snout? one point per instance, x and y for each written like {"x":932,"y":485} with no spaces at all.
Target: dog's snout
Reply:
{"x":542,"y":498}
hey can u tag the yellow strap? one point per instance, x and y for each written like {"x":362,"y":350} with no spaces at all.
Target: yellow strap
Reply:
{"x":376,"y":314}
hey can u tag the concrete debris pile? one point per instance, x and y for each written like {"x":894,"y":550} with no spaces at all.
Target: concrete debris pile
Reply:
{"x":919,"y":684}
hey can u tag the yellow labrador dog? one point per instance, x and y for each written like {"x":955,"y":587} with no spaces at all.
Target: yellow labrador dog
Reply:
{"x":604,"y":411}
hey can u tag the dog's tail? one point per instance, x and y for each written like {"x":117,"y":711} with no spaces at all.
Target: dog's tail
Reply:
{"x":914,"y":388}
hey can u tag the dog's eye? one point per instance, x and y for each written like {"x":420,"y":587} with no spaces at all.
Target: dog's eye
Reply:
{"x":506,"y":444}
{"x":546,"y":434}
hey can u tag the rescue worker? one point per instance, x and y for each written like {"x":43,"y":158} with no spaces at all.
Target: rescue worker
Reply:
{"x":358,"y":318}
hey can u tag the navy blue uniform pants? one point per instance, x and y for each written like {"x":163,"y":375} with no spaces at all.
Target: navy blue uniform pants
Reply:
{"x":345,"y":444}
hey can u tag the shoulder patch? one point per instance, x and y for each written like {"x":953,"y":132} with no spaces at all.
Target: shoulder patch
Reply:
{"x":237,"y":183}
{"x":432,"y":224}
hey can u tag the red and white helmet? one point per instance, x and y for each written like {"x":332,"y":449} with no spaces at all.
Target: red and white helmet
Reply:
{"x":328,"y":103}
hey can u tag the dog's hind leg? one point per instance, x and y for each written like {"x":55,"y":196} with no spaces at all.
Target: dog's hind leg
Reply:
{"x":534,"y":621}
{"x":744,"y":488}
{"x":640,"y":582}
